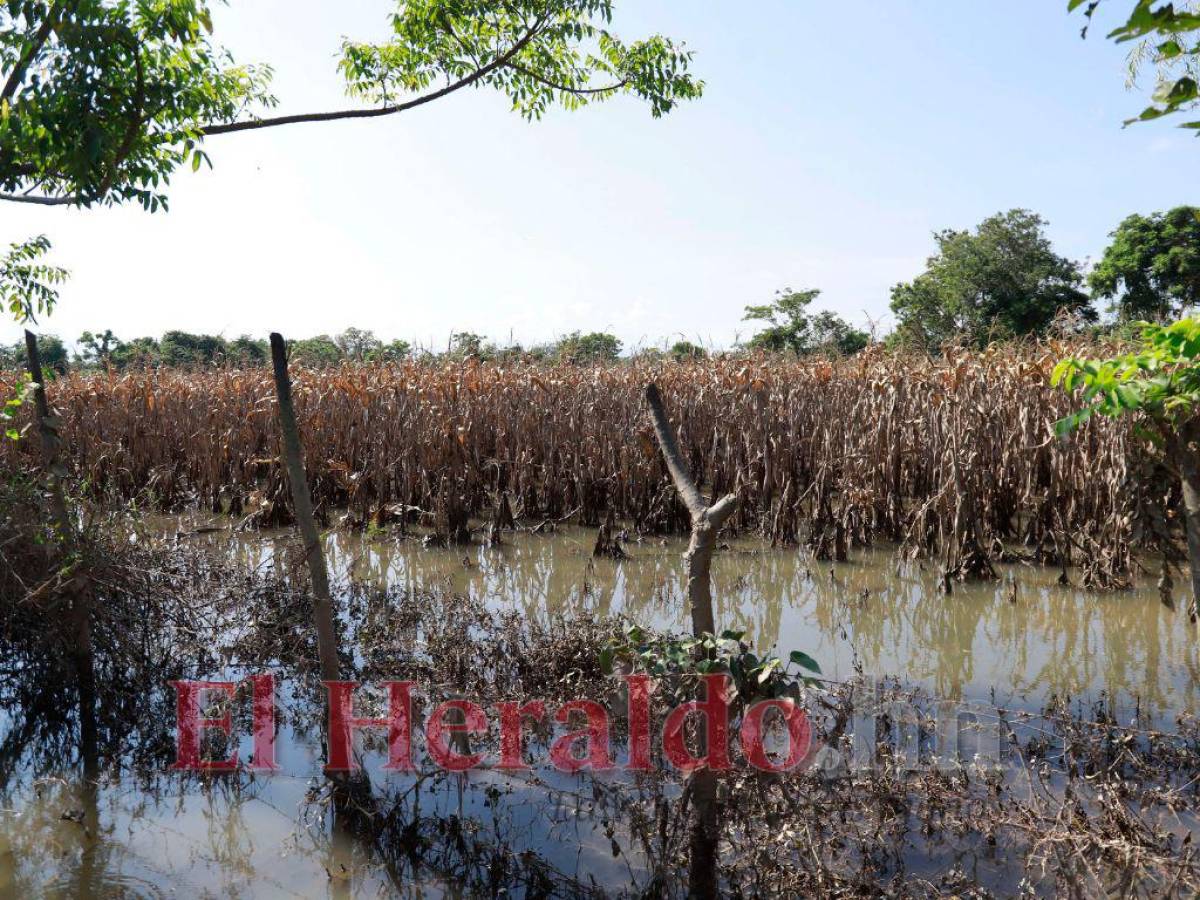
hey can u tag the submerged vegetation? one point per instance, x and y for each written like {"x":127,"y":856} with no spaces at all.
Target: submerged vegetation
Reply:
{"x":1085,"y":804}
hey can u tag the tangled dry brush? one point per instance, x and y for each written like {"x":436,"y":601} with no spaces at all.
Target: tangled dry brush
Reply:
{"x":953,"y":458}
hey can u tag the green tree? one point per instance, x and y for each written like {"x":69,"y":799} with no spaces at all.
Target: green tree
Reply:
{"x":248,"y":352}
{"x":104,"y":99}
{"x":1166,"y":34}
{"x":791,"y":328}
{"x":53,"y":352}
{"x":393,"y":351}
{"x":317,"y":352}
{"x":140,"y":353}
{"x":1002,"y":280}
{"x":686,"y":350}
{"x":831,"y":332}
{"x":467,"y":344}
{"x":1151,"y":270}
{"x":597,"y":346}
{"x":1158,"y":382}
{"x":98,"y":349}
{"x":182,"y":349}
{"x":358,"y":344}
{"x":12,"y":359}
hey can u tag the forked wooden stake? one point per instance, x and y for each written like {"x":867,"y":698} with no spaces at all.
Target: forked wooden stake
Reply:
{"x":706,"y":524}
{"x":706,"y":520}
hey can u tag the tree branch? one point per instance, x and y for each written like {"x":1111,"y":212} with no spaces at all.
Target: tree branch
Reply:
{"x":568,"y":90}
{"x":17,"y":75}
{"x":134,"y":126}
{"x":673,"y":456}
{"x":722,"y":510}
{"x":40,"y":201}
{"x":466,"y":81}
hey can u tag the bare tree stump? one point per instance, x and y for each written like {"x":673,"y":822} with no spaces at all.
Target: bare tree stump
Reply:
{"x":608,"y":541}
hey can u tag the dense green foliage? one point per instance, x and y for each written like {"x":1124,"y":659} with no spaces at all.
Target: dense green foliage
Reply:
{"x":1160,"y":378}
{"x":1158,"y":382}
{"x":596,"y":346}
{"x":535,"y":52}
{"x":55,"y":357}
{"x":1002,"y":280}
{"x":685,"y":350}
{"x":1151,"y":270}
{"x":104,"y":99}
{"x":791,"y":328}
{"x":1168,"y":30}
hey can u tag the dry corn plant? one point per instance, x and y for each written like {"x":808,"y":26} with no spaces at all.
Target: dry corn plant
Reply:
{"x":954,"y":459}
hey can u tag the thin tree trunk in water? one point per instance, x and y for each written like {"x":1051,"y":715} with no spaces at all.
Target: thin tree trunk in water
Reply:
{"x":1189,"y":475}
{"x":706,"y":524}
{"x":79,"y":591}
{"x":305,"y":521}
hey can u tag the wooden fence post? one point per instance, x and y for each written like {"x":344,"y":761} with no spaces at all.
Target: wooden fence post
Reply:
{"x":303,"y":509}
{"x":47,"y":428}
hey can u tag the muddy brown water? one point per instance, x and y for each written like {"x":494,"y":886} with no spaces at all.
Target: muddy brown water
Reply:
{"x":1013,"y":643}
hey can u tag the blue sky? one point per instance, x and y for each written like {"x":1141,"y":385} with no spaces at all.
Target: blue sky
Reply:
{"x":832,"y":140}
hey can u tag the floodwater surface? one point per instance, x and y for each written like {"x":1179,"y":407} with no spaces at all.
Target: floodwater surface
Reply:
{"x":1019,"y":640}
{"x":1014,"y":642}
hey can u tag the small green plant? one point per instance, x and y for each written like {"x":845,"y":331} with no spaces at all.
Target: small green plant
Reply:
{"x":754,"y":678}
{"x":12,"y":407}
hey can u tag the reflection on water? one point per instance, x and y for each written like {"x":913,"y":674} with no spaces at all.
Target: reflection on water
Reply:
{"x":1018,"y":641}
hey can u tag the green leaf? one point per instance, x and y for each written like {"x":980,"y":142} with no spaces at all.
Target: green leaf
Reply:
{"x":804,"y":661}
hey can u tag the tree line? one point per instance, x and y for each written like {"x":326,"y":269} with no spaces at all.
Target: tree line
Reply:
{"x":1000,"y":281}
{"x":185,"y":350}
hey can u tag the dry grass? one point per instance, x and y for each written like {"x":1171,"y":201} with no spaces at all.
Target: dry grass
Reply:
{"x":955,"y":458}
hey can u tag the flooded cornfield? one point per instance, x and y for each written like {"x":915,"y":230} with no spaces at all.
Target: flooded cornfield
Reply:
{"x":527,"y":618}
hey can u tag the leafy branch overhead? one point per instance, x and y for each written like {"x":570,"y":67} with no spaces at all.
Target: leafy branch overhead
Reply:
{"x":102,"y":101}
{"x":1169,"y":31}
